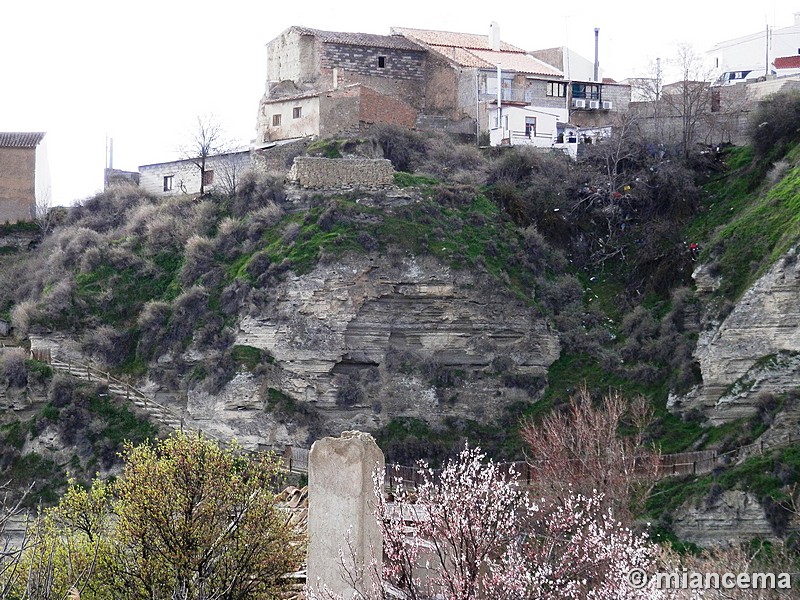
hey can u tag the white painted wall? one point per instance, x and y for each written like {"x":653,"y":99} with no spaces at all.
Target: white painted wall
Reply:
{"x":186,"y":175}
{"x":307,"y":124}
{"x":749,"y":52}
{"x":514,"y":121}
{"x":42,"y":183}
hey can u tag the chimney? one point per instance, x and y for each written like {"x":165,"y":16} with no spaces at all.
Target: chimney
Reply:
{"x":494,"y":36}
{"x":596,"y":54}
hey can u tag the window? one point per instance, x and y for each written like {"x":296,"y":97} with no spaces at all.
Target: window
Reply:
{"x":208,"y":177}
{"x":556,"y":89}
{"x":168,"y":183}
{"x":297,"y":112}
{"x":530,"y":127}
{"x":588,"y":91}
{"x":381,"y":62}
{"x":276,"y":120}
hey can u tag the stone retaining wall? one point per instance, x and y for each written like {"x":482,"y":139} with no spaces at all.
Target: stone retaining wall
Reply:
{"x":312,"y":172}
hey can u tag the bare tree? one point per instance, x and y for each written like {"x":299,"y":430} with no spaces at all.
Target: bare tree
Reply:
{"x":689,"y":98}
{"x":231,"y":168}
{"x":206,"y":140}
{"x":582,"y":450}
{"x":648,"y":90}
{"x":43,"y":214}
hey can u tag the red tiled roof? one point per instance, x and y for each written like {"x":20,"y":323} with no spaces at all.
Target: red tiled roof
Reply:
{"x":513,"y":61}
{"x":473,"y":50}
{"x":396,"y":42}
{"x":9,"y":139}
{"x":472,"y":41}
{"x":787,"y":62}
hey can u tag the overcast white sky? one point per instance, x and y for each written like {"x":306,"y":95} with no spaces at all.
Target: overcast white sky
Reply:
{"x":142,"y":71}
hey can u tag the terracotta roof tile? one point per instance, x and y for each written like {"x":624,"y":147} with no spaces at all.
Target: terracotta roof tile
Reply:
{"x":396,"y":42}
{"x":787,"y":62}
{"x":10,"y":139}
{"x":472,"y":41}
{"x":513,"y":61}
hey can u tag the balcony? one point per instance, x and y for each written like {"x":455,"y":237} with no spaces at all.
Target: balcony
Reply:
{"x":511,"y":95}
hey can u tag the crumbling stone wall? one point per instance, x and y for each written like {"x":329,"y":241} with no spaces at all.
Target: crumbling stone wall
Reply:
{"x":312,"y":172}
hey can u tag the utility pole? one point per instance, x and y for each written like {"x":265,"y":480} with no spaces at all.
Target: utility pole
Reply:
{"x":766,"y":52}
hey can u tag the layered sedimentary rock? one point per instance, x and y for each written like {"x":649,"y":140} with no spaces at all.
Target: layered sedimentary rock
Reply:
{"x":368,"y":339}
{"x":752,"y":350}
{"x":730,"y":517}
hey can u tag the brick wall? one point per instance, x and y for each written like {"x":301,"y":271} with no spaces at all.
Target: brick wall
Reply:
{"x":403,"y":74}
{"x":17,"y":184}
{"x":378,"y":108}
{"x":537,"y":89}
{"x":311,"y":172}
{"x":364,"y":60}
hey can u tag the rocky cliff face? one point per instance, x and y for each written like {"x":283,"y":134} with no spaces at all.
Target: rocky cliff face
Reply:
{"x":371,"y":338}
{"x":753,"y":349}
{"x":731,"y":517}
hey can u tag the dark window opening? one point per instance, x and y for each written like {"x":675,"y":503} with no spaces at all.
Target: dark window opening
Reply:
{"x":588,"y":91}
{"x":168,"y":183}
{"x":530,"y":127}
{"x":381,"y":62}
{"x":297,"y":112}
{"x":276,"y":120}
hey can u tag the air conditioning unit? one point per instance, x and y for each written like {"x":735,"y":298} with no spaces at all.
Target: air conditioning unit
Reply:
{"x":607,"y":105}
{"x":578,"y":103}
{"x":594,"y":104}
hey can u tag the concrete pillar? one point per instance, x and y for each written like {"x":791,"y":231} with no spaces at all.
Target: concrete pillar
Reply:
{"x":340,"y":506}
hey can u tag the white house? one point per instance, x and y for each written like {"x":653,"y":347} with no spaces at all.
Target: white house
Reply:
{"x":222,"y":173}
{"x":751,"y":56}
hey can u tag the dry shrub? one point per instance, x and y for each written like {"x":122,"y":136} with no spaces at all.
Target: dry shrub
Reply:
{"x":106,"y":344}
{"x":204,"y":218}
{"x":262,"y":219}
{"x":57,"y":303}
{"x":138,"y":218}
{"x":257,"y":191}
{"x":198,"y":259}
{"x":152,"y":326}
{"x":402,"y":146}
{"x":108,"y":211}
{"x":12,"y":367}
{"x":187,"y":311}
{"x":232,"y":232}
{"x":447,"y":160}
{"x":22,"y":316}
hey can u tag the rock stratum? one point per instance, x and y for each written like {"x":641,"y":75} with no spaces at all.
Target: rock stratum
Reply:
{"x":368,"y":339}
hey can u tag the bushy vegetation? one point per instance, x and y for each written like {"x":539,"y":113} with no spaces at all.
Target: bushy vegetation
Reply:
{"x":599,"y":247}
{"x":79,"y":428}
{"x":184,"y":518}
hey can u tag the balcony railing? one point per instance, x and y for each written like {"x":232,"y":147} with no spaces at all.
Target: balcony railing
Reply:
{"x":512,"y":94}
